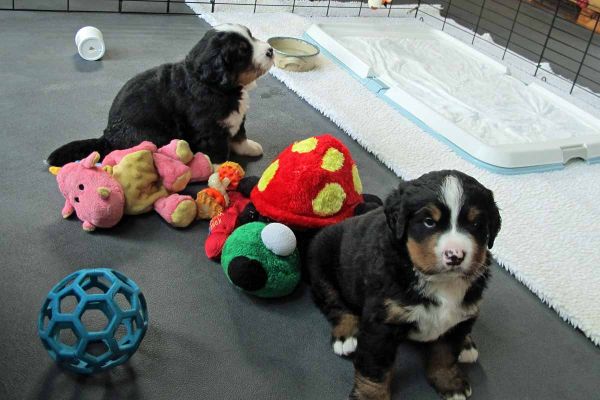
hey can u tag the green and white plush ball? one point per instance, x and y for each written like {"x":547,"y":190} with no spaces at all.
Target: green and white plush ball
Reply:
{"x":262,"y":259}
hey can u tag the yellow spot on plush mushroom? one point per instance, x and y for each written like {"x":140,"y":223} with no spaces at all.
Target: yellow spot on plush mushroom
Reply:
{"x":306,"y":145}
{"x":356,"y":180}
{"x":333,"y":160}
{"x":268,"y":175}
{"x":329,"y":200}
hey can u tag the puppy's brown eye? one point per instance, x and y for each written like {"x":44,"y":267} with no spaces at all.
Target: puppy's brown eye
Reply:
{"x":429,"y":222}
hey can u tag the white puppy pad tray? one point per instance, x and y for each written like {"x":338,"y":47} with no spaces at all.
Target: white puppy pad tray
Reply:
{"x":464,"y":97}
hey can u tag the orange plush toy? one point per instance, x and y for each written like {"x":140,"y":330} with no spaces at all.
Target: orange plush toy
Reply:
{"x":213,"y":200}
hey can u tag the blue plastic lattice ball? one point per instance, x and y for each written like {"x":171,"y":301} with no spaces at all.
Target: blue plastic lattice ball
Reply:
{"x":93,"y":320}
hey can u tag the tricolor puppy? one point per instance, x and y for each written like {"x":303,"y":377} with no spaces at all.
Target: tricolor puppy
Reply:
{"x":202,"y":99}
{"x":414,"y":269}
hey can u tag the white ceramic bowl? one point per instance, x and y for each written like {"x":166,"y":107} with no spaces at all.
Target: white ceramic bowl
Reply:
{"x":293,"y":54}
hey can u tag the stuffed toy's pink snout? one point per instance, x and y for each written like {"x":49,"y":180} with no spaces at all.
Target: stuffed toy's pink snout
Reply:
{"x":92,"y":193}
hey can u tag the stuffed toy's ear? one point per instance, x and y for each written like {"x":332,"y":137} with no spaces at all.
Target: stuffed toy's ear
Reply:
{"x":91,"y":160}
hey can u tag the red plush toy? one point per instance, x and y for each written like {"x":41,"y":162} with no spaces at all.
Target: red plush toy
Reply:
{"x":312,"y":184}
{"x":223,"y":224}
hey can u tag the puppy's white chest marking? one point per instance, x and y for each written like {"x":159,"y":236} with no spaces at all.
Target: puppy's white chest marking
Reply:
{"x":436,"y":319}
{"x":233,"y":122}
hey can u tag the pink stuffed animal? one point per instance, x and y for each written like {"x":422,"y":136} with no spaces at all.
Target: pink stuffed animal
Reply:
{"x":133,"y":181}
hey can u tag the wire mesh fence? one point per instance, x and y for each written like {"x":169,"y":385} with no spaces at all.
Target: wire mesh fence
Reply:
{"x":556,"y":41}
{"x":546,"y":35}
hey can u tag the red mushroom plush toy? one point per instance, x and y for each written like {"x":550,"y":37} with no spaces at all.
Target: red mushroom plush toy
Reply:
{"x":312,"y":184}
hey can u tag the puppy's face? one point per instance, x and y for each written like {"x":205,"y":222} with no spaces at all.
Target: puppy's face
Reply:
{"x":230,"y":56}
{"x":447,"y":221}
{"x":257,"y":55}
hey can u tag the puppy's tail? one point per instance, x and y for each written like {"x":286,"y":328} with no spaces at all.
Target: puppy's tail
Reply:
{"x":78,"y":150}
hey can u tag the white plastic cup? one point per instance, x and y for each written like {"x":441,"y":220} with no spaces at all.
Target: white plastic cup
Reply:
{"x":90,"y":43}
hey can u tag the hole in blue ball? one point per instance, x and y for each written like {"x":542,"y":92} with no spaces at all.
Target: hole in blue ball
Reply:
{"x":68,"y":303}
{"x":46,"y":321}
{"x":46,"y":314}
{"x":96,"y":285}
{"x":94,"y":319}
{"x":121,"y":277}
{"x":96,"y":348}
{"x":123,"y":300}
{"x":67,"y":337}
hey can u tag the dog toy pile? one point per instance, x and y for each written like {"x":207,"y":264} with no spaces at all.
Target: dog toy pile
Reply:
{"x":311,"y":184}
{"x":133,"y":181}
{"x":93,"y":350}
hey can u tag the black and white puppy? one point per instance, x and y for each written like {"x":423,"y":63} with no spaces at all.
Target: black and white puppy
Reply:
{"x":414,"y":269}
{"x":202,"y":99}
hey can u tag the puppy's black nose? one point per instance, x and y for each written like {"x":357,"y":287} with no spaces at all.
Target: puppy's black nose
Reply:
{"x":270,"y":52}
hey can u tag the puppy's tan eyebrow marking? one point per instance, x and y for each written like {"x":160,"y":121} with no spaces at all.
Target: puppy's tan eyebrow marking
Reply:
{"x":473,"y":213}
{"x":435,"y":212}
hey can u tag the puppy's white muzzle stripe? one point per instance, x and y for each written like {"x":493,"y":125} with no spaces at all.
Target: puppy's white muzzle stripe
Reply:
{"x":454,"y":241}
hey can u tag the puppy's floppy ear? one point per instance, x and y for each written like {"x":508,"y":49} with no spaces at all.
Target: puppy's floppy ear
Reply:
{"x":396,"y":211}
{"x":209,"y":60}
{"x":494,"y":219}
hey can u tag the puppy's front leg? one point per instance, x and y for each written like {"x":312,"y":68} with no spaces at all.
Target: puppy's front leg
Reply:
{"x":374,"y":358}
{"x":243,"y":146}
{"x":443,"y":371}
{"x":468,"y":353}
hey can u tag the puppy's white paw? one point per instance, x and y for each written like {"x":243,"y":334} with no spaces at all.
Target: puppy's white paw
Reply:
{"x":338,"y":347}
{"x":468,"y":356}
{"x":459,"y":396}
{"x":456,"y":396}
{"x":247,"y":148}
{"x":349,"y":346}
{"x":346,"y":347}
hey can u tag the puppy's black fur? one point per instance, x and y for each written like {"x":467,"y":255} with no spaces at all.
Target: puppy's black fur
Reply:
{"x":184,"y":100}
{"x":369,"y":279}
